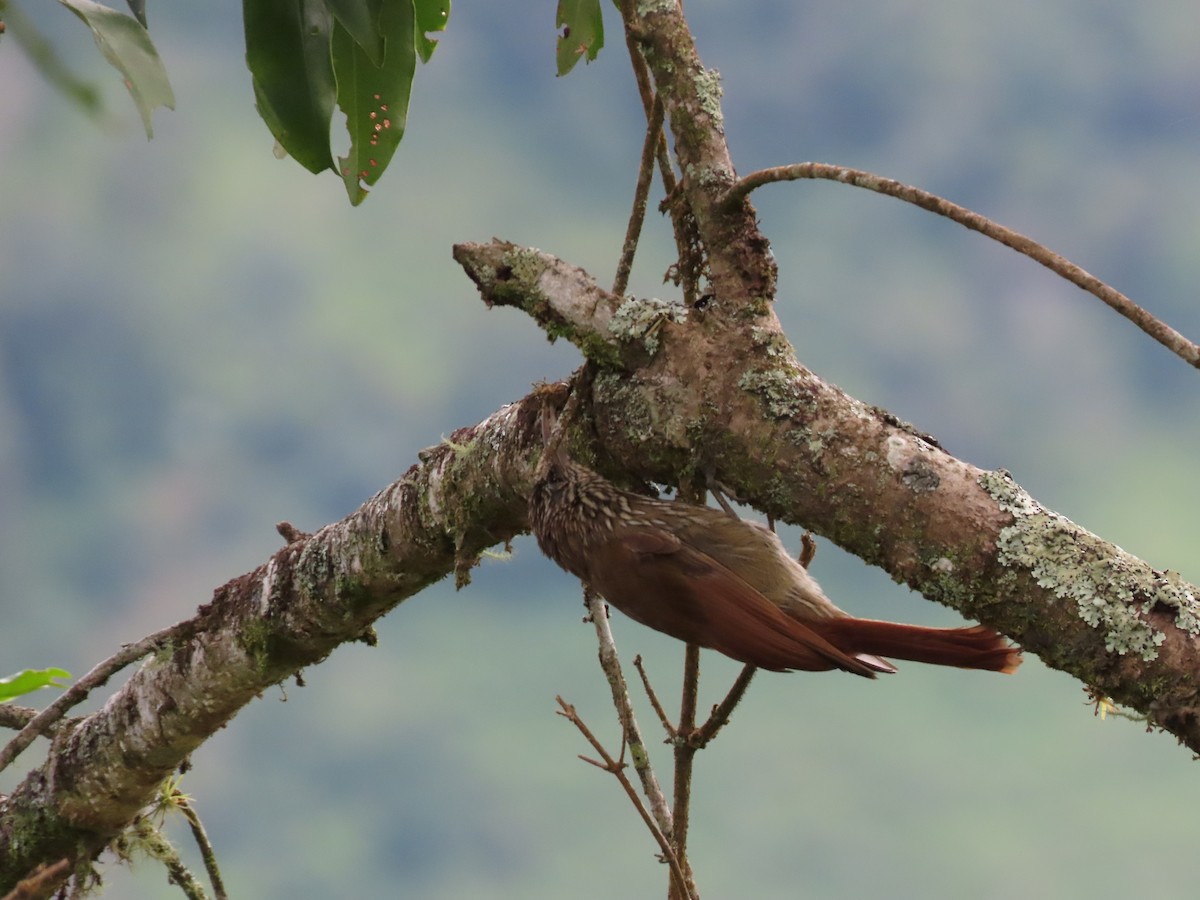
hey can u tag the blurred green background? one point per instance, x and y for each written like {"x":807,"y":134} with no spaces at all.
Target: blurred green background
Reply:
{"x":198,"y":340}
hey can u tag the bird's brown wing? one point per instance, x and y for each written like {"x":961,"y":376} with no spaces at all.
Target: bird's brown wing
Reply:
{"x":653,"y":577}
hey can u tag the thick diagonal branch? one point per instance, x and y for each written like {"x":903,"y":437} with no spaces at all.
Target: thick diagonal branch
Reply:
{"x":316,"y":593}
{"x":804,"y":451}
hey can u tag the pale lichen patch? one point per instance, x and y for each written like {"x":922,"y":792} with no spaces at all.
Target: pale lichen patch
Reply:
{"x":1111,"y":588}
{"x":640,"y":319}
{"x":778,"y":389}
{"x":708,"y":92}
{"x":771,"y":342}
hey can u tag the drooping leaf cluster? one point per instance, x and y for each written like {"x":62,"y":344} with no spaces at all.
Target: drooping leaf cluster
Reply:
{"x":308,"y":56}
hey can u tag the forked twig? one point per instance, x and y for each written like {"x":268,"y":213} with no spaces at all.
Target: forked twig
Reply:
{"x":617,"y":768}
{"x":1181,"y":346}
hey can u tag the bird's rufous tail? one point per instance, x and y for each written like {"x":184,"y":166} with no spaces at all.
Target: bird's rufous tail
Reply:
{"x":977,"y":647}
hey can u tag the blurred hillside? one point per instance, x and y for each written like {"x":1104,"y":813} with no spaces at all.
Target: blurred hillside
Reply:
{"x":198,"y":340}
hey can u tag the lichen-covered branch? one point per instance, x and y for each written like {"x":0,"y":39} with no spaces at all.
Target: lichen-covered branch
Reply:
{"x":320,"y":591}
{"x":740,"y":407}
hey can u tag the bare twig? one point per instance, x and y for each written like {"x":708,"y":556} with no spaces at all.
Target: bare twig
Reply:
{"x":654,"y":701}
{"x":207,"y":853}
{"x":685,"y":755}
{"x":617,"y":768}
{"x":15,"y":717}
{"x":719,"y":717}
{"x":100,"y":674}
{"x":1181,"y":346}
{"x":150,"y":840}
{"x":688,"y":246}
{"x":637,"y":215}
{"x":44,"y":881}
{"x":641,"y":75}
{"x":724,"y":504}
{"x":611,"y":665}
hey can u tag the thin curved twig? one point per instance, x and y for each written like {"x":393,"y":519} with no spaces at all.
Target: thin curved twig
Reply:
{"x":1177,"y":343}
{"x":637,"y":215}
{"x":645,"y":85}
{"x":207,"y":853}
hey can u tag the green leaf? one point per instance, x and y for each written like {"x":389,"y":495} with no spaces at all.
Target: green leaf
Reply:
{"x":288,"y":53}
{"x":126,"y":44}
{"x":432,"y":15}
{"x":29,"y":681}
{"x":361,"y":19}
{"x":582,"y":32}
{"x":374,"y":98}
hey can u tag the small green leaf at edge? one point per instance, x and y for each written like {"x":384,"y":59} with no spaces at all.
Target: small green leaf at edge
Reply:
{"x":432,"y":15}
{"x":127,"y":46}
{"x":375,"y":100}
{"x":30,"y":680}
{"x":582,"y":32}
{"x":288,"y":54}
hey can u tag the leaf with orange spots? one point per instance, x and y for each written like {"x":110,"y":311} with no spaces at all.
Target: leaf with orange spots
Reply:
{"x":374,"y":98}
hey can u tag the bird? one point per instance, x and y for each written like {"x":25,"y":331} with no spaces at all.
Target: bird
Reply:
{"x":712,"y":578}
